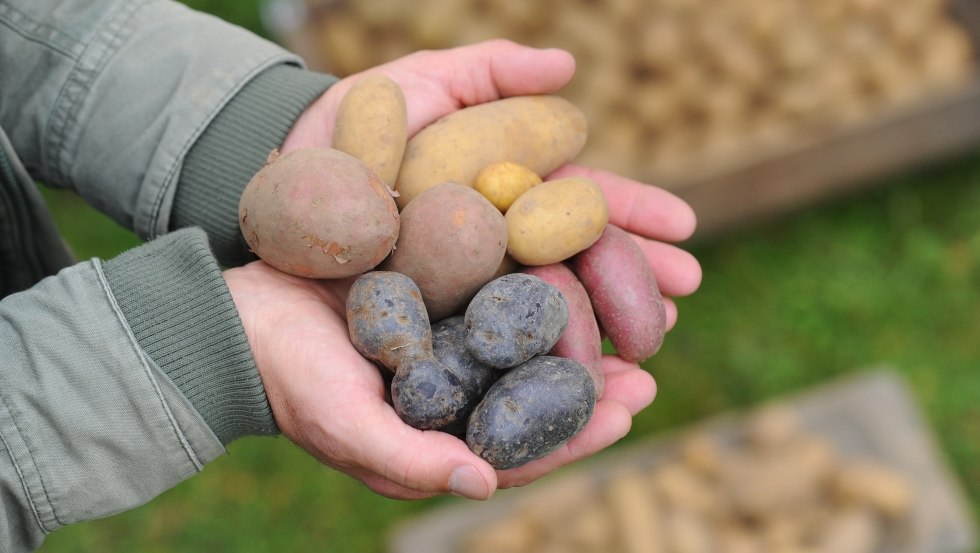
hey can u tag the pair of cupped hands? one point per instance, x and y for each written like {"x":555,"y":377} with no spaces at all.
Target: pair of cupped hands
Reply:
{"x":331,"y":401}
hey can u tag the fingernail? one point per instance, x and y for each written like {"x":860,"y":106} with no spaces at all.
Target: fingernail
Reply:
{"x":466,"y":481}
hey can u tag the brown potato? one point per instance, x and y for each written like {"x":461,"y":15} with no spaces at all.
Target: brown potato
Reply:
{"x":318,"y":213}
{"x":452,"y":242}
{"x":372,"y":125}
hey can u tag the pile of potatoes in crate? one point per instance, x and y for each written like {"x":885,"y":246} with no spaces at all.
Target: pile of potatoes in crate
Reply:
{"x":773,"y":487}
{"x":479,"y":282}
{"x":673,"y":84}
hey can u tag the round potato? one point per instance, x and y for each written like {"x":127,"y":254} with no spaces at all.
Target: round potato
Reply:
{"x":318,"y":213}
{"x":452,"y":242}
{"x":540,"y":132}
{"x":503,"y":182}
{"x":372,"y":125}
{"x":555,"y":220}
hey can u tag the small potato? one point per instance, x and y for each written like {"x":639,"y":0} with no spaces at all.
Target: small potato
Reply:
{"x":514,"y":318}
{"x":503,"y":182}
{"x":372,"y":125}
{"x":540,"y":132}
{"x":318,"y":213}
{"x":386,"y":319}
{"x":556,"y":220}
{"x":531,"y":411}
{"x":624,"y":294}
{"x":452,"y":242}
{"x":581,"y":340}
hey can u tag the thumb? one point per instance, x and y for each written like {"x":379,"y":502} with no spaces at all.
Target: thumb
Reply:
{"x":408,"y":462}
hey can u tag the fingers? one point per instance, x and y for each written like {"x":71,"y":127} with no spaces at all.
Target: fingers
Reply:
{"x":628,"y":384}
{"x":501,"y":68}
{"x":399,"y":461}
{"x":641,"y":209}
{"x":678,"y":272}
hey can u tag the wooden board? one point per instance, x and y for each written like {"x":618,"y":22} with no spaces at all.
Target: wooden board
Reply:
{"x":871,"y":415}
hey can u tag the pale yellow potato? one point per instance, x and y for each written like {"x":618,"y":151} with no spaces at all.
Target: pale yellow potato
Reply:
{"x":503,"y":182}
{"x":540,"y":132}
{"x":372,"y":125}
{"x":556,"y":220}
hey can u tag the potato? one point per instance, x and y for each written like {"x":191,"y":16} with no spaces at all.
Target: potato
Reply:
{"x":581,"y":340}
{"x":372,"y":125}
{"x":318,"y":213}
{"x":555,"y":220}
{"x":540,"y":132}
{"x":624,"y":294}
{"x":386,"y":319}
{"x":387,"y":323}
{"x":503,"y":182}
{"x":531,"y":411}
{"x":471,"y":377}
{"x":452,"y":242}
{"x":514,"y":318}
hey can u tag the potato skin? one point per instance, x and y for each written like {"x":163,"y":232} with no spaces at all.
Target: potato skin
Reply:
{"x":372,"y":125}
{"x":470,"y":377}
{"x":452,"y":241}
{"x":514,"y":318}
{"x":555,"y":220}
{"x":503,"y":182}
{"x":624,"y":293}
{"x":531,"y":411}
{"x":540,"y":132}
{"x":318,"y":213}
{"x":386,"y":319}
{"x":581,"y":340}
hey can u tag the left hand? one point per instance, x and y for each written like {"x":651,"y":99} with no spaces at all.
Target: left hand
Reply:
{"x":418,"y":464}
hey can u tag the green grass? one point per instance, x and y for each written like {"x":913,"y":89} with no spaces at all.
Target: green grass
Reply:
{"x":891,"y":276}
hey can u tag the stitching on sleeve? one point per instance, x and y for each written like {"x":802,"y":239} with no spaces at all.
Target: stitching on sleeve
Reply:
{"x":20,"y":474}
{"x":146,"y":368}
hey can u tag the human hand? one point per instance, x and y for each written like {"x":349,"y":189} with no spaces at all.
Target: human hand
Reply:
{"x":331,"y":401}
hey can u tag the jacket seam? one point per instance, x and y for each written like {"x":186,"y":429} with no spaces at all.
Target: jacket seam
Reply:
{"x":65,"y":110}
{"x":144,"y":363}
{"x":171,"y":177}
{"x":13,"y":18}
{"x":20,"y":473}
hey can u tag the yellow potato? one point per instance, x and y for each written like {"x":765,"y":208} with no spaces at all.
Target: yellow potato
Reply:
{"x":503,"y":182}
{"x":372,"y":125}
{"x":540,"y":132}
{"x":555,"y":220}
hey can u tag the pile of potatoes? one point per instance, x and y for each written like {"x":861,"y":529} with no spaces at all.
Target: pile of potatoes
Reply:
{"x":774,"y":487}
{"x":670,"y":85}
{"x":478,"y":282}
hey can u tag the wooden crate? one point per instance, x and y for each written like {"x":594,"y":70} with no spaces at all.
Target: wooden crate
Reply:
{"x":868,"y":415}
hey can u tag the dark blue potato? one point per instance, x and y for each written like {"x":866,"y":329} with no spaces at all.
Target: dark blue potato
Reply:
{"x":386,"y":319}
{"x":441,"y":395}
{"x":513,"y":318}
{"x":531,"y":411}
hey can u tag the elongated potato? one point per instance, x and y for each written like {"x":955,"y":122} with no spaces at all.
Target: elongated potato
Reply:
{"x":555,"y":220}
{"x":539,"y":132}
{"x":624,"y":294}
{"x":372,"y":125}
{"x":581,"y":340}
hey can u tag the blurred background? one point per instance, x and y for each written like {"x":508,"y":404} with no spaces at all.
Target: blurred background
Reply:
{"x":831,"y":150}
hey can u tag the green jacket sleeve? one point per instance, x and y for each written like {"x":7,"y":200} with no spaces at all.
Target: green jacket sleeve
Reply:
{"x":93,"y":417}
{"x":108,"y":97}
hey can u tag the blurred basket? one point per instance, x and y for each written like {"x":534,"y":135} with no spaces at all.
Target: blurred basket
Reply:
{"x":870,"y":415}
{"x":744,"y":109}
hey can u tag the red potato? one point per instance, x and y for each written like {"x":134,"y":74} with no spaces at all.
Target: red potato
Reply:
{"x":624,"y":293}
{"x":318,"y":213}
{"x":581,"y":340}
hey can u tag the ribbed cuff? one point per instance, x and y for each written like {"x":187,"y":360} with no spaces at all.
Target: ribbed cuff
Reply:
{"x":233,"y":148}
{"x":179,"y":308}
